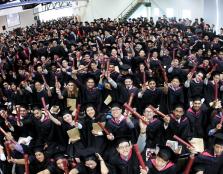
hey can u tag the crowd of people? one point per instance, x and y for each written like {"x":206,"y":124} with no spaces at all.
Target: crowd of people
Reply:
{"x":112,"y":97}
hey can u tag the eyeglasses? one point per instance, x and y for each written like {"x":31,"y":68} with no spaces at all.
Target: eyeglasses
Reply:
{"x":115,"y":109}
{"x":124,"y":147}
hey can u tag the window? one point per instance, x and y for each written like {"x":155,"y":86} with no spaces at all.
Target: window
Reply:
{"x":169,"y":12}
{"x":186,"y":13}
{"x":13,"y":20}
{"x":156,"y":12}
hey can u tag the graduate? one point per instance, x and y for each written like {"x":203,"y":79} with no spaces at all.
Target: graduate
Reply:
{"x":39,"y":163}
{"x":178,"y":124}
{"x":69,"y":95}
{"x":195,"y":85}
{"x":154,"y":131}
{"x":119,"y":125}
{"x":174,"y":94}
{"x":94,"y":135}
{"x":208,"y":159}
{"x":72,"y":134}
{"x":91,"y":163}
{"x":150,"y":95}
{"x":212,"y":89}
{"x":88,"y":92}
{"x":162,"y":163}
{"x":197,"y":117}
{"x":124,"y":160}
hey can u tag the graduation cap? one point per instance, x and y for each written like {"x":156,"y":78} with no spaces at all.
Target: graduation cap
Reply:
{"x":196,"y":98}
{"x":89,"y":76}
{"x":125,"y":67}
{"x":150,"y":41}
{"x":129,"y":76}
{"x":122,"y":139}
{"x":116,"y":105}
{"x":150,"y":79}
{"x":166,"y":153}
{"x":38,"y":148}
{"x":218,"y":139}
{"x":177,"y":77}
{"x":66,"y":111}
{"x":200,"y":70}
{"x":215,"y":73}
{"x":34,"y":43}
{"x":88,"y":154}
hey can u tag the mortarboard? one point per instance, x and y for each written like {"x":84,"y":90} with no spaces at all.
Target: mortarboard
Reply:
{"x":166,"y":153}
{"x":87,"y":154}
{"x":121,"y":139}
{"x":218,"y":139}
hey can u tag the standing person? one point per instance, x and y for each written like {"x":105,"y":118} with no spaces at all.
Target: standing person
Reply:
{"x":162,"y":163}
{"x":174,"y":95}
{"x":195,"y":86}
{"x":124,"y":160}
{"x":197,"y":118}
{"x":206,"y":161}
{"x":91,"y":163}
{"x":95,"y":138}
{"x":88,"y":91}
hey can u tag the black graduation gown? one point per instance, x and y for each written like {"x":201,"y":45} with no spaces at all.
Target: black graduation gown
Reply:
{"x":121,"y":166}
{"x":82,"y":169}
{"x":151,"y":97}
{"x":36,"y":96}
{"x":19,"y":169}
{"x":171,"y":99}
{"x":170,"y":168}
{"x":181,"y":129}
{"x":73,"y":148}
{"x":50,"y":134}
{"x":89,"y":96}
{"x":195,"y":89}
{"x":119,"y":94}
{"x":121,"y":129}
{"x":209,"y":92}
{"x":96,"y":142}
{"x":35,"y":166}
{"x":205,"y":162}
{"x":216,"y":119}
{"x":26,"y":129}
{"x":198,"y":122}
{"x":155,"y":133}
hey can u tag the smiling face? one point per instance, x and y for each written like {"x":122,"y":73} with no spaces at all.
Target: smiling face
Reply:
{"x":199,"y":76}
{"x":148,"y":113}
{"x":128,"y":83}
{"x":60,"y":164}
{"x":90,"y":164}
{"x":196,"y":105}
{"x":218,"y":149}
{"x":70,"y":86}
{"x":67,"y":118}
{"x":39,"y":156}
{"x":90,"y":83}
{"x":90,"y":111}
{"x":23,"y":111}
{"x":175,"y":82}
{"x":116,"y":112}
{"x":178,"y":112}
{"x":37,"y":113}
{"x":152,"y":85}
{"x":124,"y":148}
